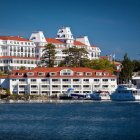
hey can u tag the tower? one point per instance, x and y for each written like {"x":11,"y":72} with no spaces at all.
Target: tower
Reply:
{"x":64,"y":34}
{"x":39,"y":38}
{"x":84,"y":40}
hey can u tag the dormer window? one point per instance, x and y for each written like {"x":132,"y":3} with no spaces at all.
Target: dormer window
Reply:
{"x":30,"y":73}
{"x":41,"y":74}
{"x":67,"y":72}
{"x":98,"y":73}
{"x":88,"y":73}
{"x":20,"y":74}
{"x":79,"y":73}
{"x":52,"y":73}
{"x":106,"y":73}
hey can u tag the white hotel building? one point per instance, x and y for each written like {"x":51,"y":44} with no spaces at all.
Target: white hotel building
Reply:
{"x":17,"y":51}
{"x":57,"y":80}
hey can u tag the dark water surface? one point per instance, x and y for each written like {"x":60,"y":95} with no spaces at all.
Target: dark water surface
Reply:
{"x":70,"y":121}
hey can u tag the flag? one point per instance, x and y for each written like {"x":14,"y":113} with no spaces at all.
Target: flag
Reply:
{"x":113,"y":56}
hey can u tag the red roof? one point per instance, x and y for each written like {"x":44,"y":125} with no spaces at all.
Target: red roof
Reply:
{"x":16,"y":38}
{"x":53,"y":40}
{"x":16,"y":57}
{"x":57,"y":71}
{"x":77,"y":43}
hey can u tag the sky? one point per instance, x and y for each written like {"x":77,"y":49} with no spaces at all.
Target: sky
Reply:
{"x":111,"y":25}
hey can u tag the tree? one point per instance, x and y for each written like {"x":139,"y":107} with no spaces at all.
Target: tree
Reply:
{"x":102,"y":64}
{"x":48,"y":57}
{"x":136,"y":65}
{"x":127,"y":70}
{"x":74,"y":56}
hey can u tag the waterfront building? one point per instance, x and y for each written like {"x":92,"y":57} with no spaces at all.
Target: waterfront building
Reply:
{"x":16,"y":51}
{"x":57,"y":80}
{"x":136,"y":79}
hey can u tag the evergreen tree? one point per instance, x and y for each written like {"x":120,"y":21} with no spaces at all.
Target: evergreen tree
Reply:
{"x":136,"y":65}
{"x":48,"y":56}
{"x":127,"y":70}
{"x":74,"y":56}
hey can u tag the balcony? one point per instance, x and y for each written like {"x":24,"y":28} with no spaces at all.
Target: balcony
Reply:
{"x":33,"y":88}
{"x":42,"y":89}
{"x":85,"y":82}
{"x":56,"y":82}
{"x":44,"y":82}
{"x":24,"y":82}
{"x":86,"y":88}
{"x":77,"y":82}
{"x":66,"y":82}
{"x":56,"y":88}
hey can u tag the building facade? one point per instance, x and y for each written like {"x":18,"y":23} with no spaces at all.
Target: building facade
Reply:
{"x":136,"y":79}
{"x":57,"y":80}
{"x":17,"y":52}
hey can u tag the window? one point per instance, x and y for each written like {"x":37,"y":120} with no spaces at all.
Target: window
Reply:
{"x":33,"y":80}
{"x":52,"y":73}
{"x":55,"y":86}
{"x":44,"y":86}
{"x":22,"y":80}
{"x":88,"y":73}
{"x":106,"y":73}
{"x":34,"y":92}
{"x":21,"y":86}
{"x":76,"y":80}
{"x":112,"y":79}
{"x":65,"y":80}
{"x":79,"y":73}
{"x":20,"y":74}
{"x":44,"y":80}
{"x":96,"y":80}
{"x":98,"y":73}
{"x":33,"y":86}
{"x":105,"y":86}
{"x":55,"y":80}
{"x":105,"y":80}
{"x":66,"y":72}
{"x":65,"y":86}
{"x":86,"y":80}
{"x":41,"y":74}
{"x":13,"y":79}
{"x":30,"y":73}
{"x":86,"y":86}
{"x":76,"y":86}
{"x":96,"y":86}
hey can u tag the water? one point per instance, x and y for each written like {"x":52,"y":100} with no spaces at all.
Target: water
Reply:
{"x":70,"y":121}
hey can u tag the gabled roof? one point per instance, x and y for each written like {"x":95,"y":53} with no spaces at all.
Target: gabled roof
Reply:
{"x":16,"y":38}
{"x":77,"y":43}
{"x":57,"y":71}
{"x":53,"y":40}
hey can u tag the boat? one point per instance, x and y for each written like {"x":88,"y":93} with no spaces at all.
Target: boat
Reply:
{"x":126,"y":92}
{"x":67,"y":95}
{"x":100,"y":95}
{"x":79,"y":96}
{"x":71,"y":95}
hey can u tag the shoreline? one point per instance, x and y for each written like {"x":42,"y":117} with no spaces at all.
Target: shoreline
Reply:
{"x":46,"y":101}
{"x":57,"y":101}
